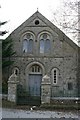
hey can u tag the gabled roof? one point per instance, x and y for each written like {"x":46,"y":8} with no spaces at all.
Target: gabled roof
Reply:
{"x":45,"y":22}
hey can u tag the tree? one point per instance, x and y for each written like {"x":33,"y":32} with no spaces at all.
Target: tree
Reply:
{"x":7,"y":53}
{"x":7,"y":50}
{"x":66,"y":18}
{"x":3,"y":32}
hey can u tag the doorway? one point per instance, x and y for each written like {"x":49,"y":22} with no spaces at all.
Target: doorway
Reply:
{"x":35,"y":78}
{"x":35,"y":84}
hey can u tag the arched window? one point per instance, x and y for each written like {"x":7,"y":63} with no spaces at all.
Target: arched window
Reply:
{"x":30,"y":46}
{"x":25,"y":45}
{"x":47,"y":46}
{"x":55,"y":74}
{"x":15,"y":70}
{"x":28,"y":43}
{"x":41,"y":46}
{"x":45,"y":43}
{"x":70,"y":86}
{"x":35,"y":69}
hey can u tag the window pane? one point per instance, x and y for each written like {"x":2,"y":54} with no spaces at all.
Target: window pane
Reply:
{"x":54,"y":81}
{"x":35,"y":68}
{"x":54,"y":75}
{"x":47,"y":45}
{"x":30,"y":46}
{"x":54,"y":71}
{"x":38,"y":69}
{"x":32,"y":69}
{"x":42,"y":46}
{"x":25,"y":44}
{"x":70,"y":87}
{"x":16,"y":71}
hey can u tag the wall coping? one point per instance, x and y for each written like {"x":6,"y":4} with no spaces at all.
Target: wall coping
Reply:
{"x":65,"y":98}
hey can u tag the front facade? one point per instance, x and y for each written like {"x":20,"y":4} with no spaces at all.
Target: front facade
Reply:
{"x":42,"y":49}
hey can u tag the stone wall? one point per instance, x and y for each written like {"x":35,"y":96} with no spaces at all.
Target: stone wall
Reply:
{"x":63,"y":55}
{"x":12,"y":88}
{"x":45,"y":89}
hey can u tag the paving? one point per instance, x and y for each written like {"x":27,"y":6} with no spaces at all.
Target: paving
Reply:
{"x":15,"y":113}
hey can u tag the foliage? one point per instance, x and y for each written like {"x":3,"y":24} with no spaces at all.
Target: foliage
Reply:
{"x":8,"y":104}
{"x":3,"y":32}
{"x":66,"y":18}
{"x":59,"y":107}
{"x":4,"y":88}
{"x":7,"y":52}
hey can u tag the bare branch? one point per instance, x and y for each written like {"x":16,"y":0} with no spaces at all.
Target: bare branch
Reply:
{"x":2,"y":23}
{"x":66,"y":18}
{"x":3,"y":32}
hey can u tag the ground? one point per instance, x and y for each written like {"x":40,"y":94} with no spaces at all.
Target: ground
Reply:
{"x":16,"y":113}
{"x":10,"y":110}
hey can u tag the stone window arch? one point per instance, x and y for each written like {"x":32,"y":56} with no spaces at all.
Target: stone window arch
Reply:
{"x":28,"y":42}
{"x":27,"y":70}
{"x":15,"y":70}
{"x":55,"y":75}
{"x":45,"y":44}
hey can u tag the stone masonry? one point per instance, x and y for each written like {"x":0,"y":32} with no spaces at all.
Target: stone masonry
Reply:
{"x":12,"y":87}
{"x":63,"y":56}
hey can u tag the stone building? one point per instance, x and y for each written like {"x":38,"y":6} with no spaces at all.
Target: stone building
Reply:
{"x":44,"y":51}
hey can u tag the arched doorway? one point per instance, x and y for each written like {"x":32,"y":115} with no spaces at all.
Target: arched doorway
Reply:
{"x":34,"y":80}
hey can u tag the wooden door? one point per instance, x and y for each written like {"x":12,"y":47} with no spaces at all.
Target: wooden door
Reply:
{"x":35,"y":84}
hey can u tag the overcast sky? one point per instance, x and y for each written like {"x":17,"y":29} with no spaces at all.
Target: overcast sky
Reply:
{"x":17,"y":11}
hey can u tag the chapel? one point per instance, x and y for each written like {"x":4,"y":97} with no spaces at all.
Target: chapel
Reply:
{"x":46,"y":60}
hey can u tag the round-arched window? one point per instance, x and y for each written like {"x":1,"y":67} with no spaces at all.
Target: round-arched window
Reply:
{"x":15,"y":70}
{"x":35,"y":69}
{"x":28,"y":43}
{"x":45,"y":44}
{"x":55,"y":74}
{"x":37,"y":22}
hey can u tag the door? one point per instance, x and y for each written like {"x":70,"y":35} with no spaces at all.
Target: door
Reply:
{"x":35,"y":84}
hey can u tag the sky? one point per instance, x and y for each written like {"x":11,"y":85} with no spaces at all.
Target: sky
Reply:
{"x":17,"y":11}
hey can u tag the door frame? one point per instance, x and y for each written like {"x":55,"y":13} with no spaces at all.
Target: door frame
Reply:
{"x":27,"y":72}
{"x":34,"y":75}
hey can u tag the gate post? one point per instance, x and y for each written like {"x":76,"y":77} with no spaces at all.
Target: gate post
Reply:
{"x":45,"y":89}
{"x":12,"y":87}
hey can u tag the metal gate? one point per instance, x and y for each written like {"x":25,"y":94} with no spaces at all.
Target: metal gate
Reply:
{"x":24,"y":97}
{"x":33,"y":95}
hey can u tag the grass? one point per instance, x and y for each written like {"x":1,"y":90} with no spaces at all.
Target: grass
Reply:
{"x":8,"y":104}
{"x":60,"y":107}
